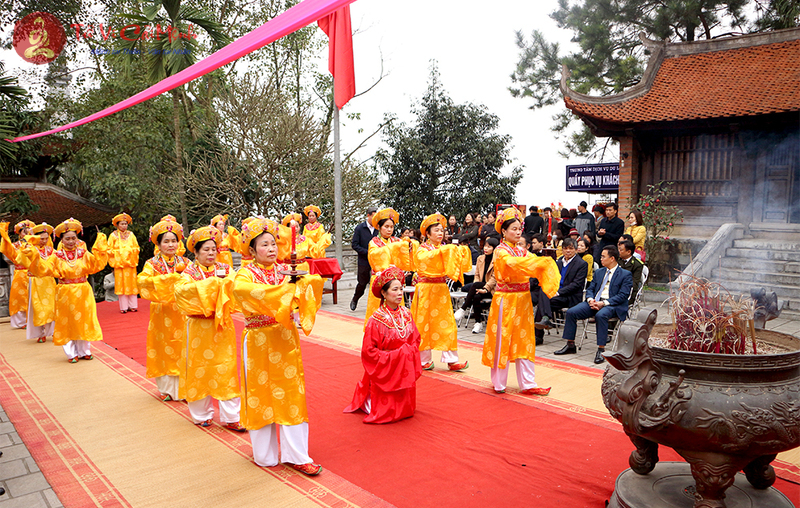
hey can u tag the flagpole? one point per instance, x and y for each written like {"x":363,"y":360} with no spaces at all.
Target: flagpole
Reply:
{"x":337,"y":187}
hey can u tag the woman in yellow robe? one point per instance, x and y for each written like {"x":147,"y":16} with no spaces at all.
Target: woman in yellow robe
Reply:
{"x":510,"y":331}
{"x":76,"y":325}
{"x":385,"y":250}
{"x":123,"y":257}
{"x":208,"y":355}
{"x":229,"y":241}
{"x":18,"y":295}
{"x":273,"y":391}
{"x":181,"y":247}
{"x":304,"y":248}
{"x":41,"y":289}
{"x":432,"y":307}
{"x":243,"y":249}
{"x":315,"y":232}
{"x":167,"y":327}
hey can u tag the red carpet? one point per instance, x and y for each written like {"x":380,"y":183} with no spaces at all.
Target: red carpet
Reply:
{"x":463,"y":448}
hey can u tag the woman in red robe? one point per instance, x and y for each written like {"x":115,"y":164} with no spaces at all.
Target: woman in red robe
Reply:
{"x":390,"y":354}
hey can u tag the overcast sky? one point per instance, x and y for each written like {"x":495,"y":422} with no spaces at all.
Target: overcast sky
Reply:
{"x":474,"y":44}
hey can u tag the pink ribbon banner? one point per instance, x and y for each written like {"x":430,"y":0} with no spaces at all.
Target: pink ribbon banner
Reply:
{"x":289,"y":21}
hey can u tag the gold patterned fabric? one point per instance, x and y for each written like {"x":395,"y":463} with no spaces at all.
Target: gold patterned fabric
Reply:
{"x":123,"y":257}
{"x":18,"y":294}
{"x":273,"y":379}
{"x":75,"y":308}
{"x":167,"y":327}
{"x":512,"y":337}
{"x":209,"y":352}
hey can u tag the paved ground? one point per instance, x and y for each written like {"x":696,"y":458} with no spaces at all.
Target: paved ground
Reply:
{"x":26,"y":487}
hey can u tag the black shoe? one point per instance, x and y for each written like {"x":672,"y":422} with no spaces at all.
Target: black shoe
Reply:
{"x":598,"y":357}
{"x":568,"y":349}
{"x":544,"y":324}
{"x":353,"y":304}
{"x":539,"y":341}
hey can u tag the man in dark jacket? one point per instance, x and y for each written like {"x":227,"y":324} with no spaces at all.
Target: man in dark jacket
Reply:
{"x":629,"y":262}
{"x":533,"y":223}
{"x":584,"y":223}
{"x":611,"y":227}
{"x":573,"y":279}
{"x":361,"y":237}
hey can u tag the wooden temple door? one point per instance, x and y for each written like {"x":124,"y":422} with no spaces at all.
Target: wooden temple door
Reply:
{"x":781,"y":181}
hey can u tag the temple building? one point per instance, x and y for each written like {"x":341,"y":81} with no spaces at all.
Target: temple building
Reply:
{"x":719,"y":118}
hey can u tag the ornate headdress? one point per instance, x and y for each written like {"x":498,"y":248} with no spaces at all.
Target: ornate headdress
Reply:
{"x":39,"y":228}
{"x":504,"y":215}
{"x":122,"y":216}
{"x":201,"y":235}
{"x":431,"y":220}
{"x":169,"y":217}
{"x":296,"y":216}
{"x":165,"y":226}
{"x":312,"y":208}
{"x":388,"y":275}
{"x":385,"y":213}
{"x":69,"y":225}
{"x":218,"y":218}
{"x":255,"y":227}
{"x":24,"y":224}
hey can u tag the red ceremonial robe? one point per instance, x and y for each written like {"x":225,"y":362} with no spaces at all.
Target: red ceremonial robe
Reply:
{"x":390,"y":354}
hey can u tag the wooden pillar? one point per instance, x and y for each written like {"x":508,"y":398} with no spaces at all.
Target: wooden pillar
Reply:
{"x":628,"y":174}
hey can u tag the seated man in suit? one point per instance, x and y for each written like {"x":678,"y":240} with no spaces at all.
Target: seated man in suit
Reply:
{"x":573,"y":271}
{"x":606,"y":297}
{"x":629,"y":262}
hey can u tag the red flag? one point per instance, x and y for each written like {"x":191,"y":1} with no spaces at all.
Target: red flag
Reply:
{"x":340,"y":54}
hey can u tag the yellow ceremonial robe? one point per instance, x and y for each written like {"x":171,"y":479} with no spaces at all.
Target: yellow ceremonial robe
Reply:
{"x":209,"y":352}
{"x":273,"y":379}
{"x":514,"y":337}
{"x":319,"y":240}
{"x":382,"y":253}
{"x":167,"y":327}
{"x":75,"y":307}
{"x":123,"y":257}
{"x":229,"y":243}
{"x":18,"y":295}
{"x":432,"y":307}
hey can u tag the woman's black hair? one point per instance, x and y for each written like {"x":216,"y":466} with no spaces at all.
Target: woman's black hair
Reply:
{"x":507,"y":223}
{"x":199,"y":245}
{"x":383,"y":221}
{"x":494,"y":242}
{"x":161,"y":236}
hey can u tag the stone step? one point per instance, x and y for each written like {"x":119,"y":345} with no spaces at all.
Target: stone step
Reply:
{"x":764,"y":278}
{"x":766,"y":244}
{"x":774,"y":255}
{"x":747,"y":263}
{"x":743,"y":287}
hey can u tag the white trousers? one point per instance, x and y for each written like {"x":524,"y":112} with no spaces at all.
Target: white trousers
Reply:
{"x":203,"y":409}
{"x":426,"y":356}
{"x":168,"y":385}
{"x":127,"y":302}
{"x":526,"y":375}
{"x":19,"y":320}
{"x":293,"y":444}
{"x":77,"y":348}
{"x":36,"y":332}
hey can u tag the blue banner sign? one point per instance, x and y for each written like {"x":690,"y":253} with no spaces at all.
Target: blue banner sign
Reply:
{"x":593,"y":178}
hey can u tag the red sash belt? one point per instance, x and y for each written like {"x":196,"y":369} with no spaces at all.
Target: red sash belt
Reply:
{"x":258,"y":321}
{"x":79,"y":280}
{"x":223,"y":249}
{"x":431,"y":280}
{"x":19,"y":267}
{"x":200,"y":316}
{"x":513,"y":287}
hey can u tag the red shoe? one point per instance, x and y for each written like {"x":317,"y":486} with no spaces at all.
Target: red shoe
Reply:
{"x":165,"y":397}
{"x":309,"y":469}
{"x":87,"y":357}
{"x":133,"y":310}
{"x":123,"y":311}
{"x":73,"y":360}
{"x":235,"y":426}
{"x":206,"y":423}
{"x":427,"y":366}
{"x":458,"y":367}
{"x":536,"y":391}
{"x":42,"y":340}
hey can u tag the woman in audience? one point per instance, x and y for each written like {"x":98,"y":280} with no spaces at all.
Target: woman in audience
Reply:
{"x":482,"y":289}
{"x":469,"y":235}
{"x":452,"y":228}
{"x":585,"y":252}
{"x":638,"y":231}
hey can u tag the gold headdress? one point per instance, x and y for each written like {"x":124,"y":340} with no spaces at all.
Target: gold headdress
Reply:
{"x":312,"y":208}
{"x":431,"y":220}
{"x":296,"y":216}
{"x":120,"y":217}
{"x":165,"y":226}
{"x":201,"y":235}
{"x":24,"y":224}
{"x":39,"y":228}
{"x":504,"y":215}
{"x":255,"y":227}
{"x":385,"y":213}
{"x":218,"y":218}
{"x":69,"y":225}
